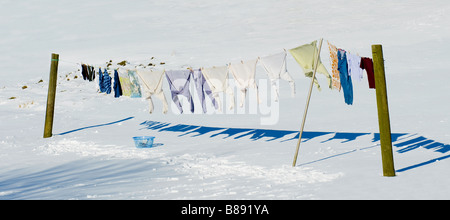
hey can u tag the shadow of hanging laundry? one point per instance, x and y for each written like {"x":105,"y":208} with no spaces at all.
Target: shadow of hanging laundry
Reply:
{"x":284,"y":135}
{"x":231,"y":132}
{"x":202,"y":131}
{"x":405,"y":142}
{"x":346,"y":137}
{"x":394,"y":136}
{"x":95,"y":126}
{"x":264,"y":133}
{"x":179,"y":128}
{"x":308,"y":135}
{"x":154,"y":125}
{"x":422,"y":142}
{"x":252,"y":134}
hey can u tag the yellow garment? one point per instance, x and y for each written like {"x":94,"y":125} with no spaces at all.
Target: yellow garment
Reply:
{"x":305,"y":56}
{"x":336,"y":82}
{"x":125,"y":82}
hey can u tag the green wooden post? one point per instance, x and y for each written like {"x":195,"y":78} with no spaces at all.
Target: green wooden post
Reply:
{"x":383,"y":111}
{"x":51,"y":96}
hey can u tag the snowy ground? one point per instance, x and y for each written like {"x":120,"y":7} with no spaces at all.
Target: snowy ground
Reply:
{"x":231,"y":155}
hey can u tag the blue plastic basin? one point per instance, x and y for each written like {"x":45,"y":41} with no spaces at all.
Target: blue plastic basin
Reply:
{"x":143,"y":141}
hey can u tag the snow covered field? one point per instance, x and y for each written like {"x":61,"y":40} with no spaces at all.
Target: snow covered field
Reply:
{"x":230,"y":155}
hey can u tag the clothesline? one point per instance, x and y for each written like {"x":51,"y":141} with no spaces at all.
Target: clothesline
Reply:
{"x":214,"y":80}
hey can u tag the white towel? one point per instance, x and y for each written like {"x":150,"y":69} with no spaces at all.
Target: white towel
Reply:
{"x":152,"y":81}
{"x":244,"y":74}
{"x":275,"y":66}
{"x":217,"y":78}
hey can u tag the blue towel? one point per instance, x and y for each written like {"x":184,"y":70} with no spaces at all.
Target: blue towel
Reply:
{"x":107,"y":82}
{"x":346,"y":80}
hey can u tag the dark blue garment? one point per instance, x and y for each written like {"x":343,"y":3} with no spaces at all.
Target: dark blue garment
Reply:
{"x":117,"y":86}
{"x":346,"y":80}
{"x":100,"y":80}
{"x":107,"y":82}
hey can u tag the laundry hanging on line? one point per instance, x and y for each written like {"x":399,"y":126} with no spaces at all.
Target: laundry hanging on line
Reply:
{"x":117,"y":86}
{"x":179,"y":85}
{"x":275,"y":66}
{"x":345,"y":78}
{"x":135,"y":86}
{"x":212,"y":81}
{"x":125,"y":82}
{"x":354,"y":66}
{"x":217,"y":78}
{"x":203,"y":89}
{"x":88,"y":72}
{"x":152,"y":81}
{"x":305,"y":55}
{"x":367,"y":64}
{"x":335,"y":79}
{"x":244,"y":76}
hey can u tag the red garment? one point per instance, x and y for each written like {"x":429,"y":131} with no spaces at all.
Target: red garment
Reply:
{"x":367,"y":64}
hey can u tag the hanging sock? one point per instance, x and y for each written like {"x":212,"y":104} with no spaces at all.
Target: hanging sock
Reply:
{"x":244,"y":75}
{"x":275,"y":66}
{"x":305,"y":56}
{"x":125,"y":83}
{"x":179,"y":85}
{"x":346,"y":79}
{"x":134,"y":84}
{"x":107,"y":82}
{"x":335,"y":80}
{"x":367,"y":64}
{"x":217,"y":78}
{"x":203,"y":88}
{"x":117,"y":86}
{"x":152,"y":82}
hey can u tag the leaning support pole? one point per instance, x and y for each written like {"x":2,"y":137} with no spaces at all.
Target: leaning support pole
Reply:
{"x":383,"y":111}
{"x":48,"y":128}
{"x":307,"y":104}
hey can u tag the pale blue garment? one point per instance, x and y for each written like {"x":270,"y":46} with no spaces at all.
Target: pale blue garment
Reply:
{"x":135,"y":86}
{"x":346,"y":79}
{"x":179,"y":85}
{"x":203,"y":88}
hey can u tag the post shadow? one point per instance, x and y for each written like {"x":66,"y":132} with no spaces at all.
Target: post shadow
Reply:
{"x":95,"y":126}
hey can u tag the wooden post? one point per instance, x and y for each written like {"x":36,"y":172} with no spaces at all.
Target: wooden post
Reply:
{"x":51,"y":96}
{"x":307,"y":104}
{"x":383,"y":111}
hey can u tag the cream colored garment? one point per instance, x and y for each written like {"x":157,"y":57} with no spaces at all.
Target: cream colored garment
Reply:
{"x":305,"y":55}
{"x":217,"y":78}
{"x":275,"y":66}
{"x":244,"y":75}
{"x":152,"y":81}
{"x":124,"y":82}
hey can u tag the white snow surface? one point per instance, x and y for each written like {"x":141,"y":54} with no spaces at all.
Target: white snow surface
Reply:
{"x":221,"y":156}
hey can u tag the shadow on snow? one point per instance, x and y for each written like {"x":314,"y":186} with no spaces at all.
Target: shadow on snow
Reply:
{"x":402,"y":142}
